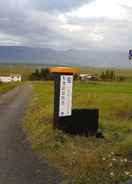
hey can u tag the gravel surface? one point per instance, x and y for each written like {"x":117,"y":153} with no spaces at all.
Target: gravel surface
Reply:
{"x":18,"y":164}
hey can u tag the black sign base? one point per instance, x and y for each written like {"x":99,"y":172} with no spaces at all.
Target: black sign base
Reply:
{"x":82,"y":122}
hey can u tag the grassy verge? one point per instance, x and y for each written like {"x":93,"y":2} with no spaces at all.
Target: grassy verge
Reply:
{"x":87,"y":160}
{"x":4,"y":87}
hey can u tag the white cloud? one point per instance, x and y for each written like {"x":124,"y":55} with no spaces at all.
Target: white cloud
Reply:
{"x":72,"y":28}
{"x":104,"y":24}
{"x":100,"y":9}
{"x":125,"y":2}
{"x":99,"y":23}
{"x":6,"y":39}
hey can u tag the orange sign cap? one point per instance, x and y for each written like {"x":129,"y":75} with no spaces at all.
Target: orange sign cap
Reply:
{"x":63,"y":70}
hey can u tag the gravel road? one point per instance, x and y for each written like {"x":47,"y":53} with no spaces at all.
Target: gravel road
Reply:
{"x":18,"y":164}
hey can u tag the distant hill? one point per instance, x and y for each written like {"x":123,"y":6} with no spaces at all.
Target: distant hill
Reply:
{"x":29,"y":55}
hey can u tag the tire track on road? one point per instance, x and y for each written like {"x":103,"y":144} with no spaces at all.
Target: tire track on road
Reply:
{"x":18,"y":164}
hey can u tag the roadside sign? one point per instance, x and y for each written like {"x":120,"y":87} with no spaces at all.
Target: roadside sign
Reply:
{"x":130,"y":54}
{"x":62,"y":93}
{"x":65,"y":102}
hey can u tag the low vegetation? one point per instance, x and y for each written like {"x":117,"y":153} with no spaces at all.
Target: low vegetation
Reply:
{"x":105,"y":75}
{"x":42,"y":74}
{"x":108,"y":75}
{"x":4,"y":87}
{"x":28,"y":71}
{"x":85,"y":160}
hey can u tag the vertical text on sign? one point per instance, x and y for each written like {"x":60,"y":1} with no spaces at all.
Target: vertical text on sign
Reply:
{"x":65,"y":102}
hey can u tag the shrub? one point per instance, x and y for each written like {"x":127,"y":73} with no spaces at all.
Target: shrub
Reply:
{"x":108,"y":75}
{"x":42,"y":74}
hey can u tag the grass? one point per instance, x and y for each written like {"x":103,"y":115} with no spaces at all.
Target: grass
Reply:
{"x":4,"y":87}
{"x":86,"y":160}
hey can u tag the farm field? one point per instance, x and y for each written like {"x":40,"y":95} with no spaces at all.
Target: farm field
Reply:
{"x":26,"y":69}
{"x":86,"y":160}
{"x":4,"y":87}
{"x":23,"y":69}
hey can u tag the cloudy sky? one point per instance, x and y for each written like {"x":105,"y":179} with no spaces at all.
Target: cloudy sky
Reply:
{"x":67,"y":24}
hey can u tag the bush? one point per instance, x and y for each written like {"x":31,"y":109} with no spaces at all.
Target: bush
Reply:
{"x":42,"y":74}
{"x":76,"y":76}
{"x":108,"y":75}
{"x":121,"y":78}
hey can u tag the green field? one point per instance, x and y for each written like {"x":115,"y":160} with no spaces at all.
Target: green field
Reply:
{"x":87,"y":160}
{"x":4,"y":87}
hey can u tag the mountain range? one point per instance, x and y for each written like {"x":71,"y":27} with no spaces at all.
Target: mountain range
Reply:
{"x":77,"y":57}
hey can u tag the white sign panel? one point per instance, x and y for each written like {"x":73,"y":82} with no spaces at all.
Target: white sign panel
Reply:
{"x":65,"y":106}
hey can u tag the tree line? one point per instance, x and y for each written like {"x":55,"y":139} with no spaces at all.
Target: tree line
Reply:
{"x":111,"y":75}
{"x":44,"y":74}
{"x":108,"y":75}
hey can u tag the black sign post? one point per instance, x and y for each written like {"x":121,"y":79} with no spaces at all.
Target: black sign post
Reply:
{"x":62,"y":93}
{"x":74,"y":121}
